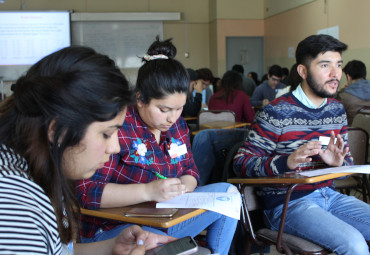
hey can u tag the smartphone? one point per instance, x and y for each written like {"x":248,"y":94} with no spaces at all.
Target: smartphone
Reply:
{"x":151,"y":212}
{"x":182,"y":246}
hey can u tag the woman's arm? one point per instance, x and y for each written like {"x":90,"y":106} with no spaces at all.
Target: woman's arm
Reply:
{"x":132,"y":240}
{"x":115,"y":195}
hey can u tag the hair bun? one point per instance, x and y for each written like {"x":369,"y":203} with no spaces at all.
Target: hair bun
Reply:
{"x":162,"y":48}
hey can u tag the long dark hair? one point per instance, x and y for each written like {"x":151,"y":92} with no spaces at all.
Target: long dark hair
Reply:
{"x":71,"y":88}
{"x":159,"y":77}
{"x":230,"y":82}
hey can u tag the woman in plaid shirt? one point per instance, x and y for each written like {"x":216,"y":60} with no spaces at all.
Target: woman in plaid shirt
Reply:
{"x":154,"y":141}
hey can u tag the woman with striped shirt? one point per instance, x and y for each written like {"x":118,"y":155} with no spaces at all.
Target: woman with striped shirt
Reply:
{"x":60,"y":125}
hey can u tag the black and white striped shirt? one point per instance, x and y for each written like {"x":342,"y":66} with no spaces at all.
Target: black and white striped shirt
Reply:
{"x":27,"y":220}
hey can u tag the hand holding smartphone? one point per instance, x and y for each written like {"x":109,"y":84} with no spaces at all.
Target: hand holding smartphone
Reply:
{"x":182,"y":246}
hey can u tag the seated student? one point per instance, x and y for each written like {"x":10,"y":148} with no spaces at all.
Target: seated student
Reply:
{"x":248,"y":84}
{"x":60,"y":124}
{"x":285,"y":139}
{"x":193,"y":104}
{"x":150,"y":137}
{"x":254,"y":77}
{"x":266,"y":91}
{"x":206,"y":76}
{"x":232,"y":97}
{"x":356,"y":94}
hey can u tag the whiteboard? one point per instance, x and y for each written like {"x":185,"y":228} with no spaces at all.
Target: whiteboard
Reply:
{"x":123,"y":41}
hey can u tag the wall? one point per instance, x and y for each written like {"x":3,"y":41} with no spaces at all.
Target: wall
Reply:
{"x":190,"y":34}
{"x":286,"y":29}
{"x":205,"y":24}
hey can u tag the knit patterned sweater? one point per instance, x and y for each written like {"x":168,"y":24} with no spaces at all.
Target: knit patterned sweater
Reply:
{"x":279,"y":129}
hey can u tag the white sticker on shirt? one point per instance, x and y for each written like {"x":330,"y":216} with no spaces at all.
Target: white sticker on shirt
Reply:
{"x":177,"y":151}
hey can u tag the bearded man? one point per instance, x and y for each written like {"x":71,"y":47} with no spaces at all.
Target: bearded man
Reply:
{"x":285,"y":138}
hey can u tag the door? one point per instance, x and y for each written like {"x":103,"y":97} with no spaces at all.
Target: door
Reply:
{"x":245,"y":51}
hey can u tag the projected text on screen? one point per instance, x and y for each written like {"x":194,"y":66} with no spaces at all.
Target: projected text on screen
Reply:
{"x":26,"y":37}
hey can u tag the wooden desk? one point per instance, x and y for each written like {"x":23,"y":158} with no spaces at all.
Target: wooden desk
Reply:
{"x":291,"y":181}
{"x":221,"y":125}
{"x":119,"y":214}
{"x":190,"y":118}
{"x":286,"y":179}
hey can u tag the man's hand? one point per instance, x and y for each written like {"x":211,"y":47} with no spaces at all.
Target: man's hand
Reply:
{"x":198,"y":86}
{"x":265,"y":102}
{"x":334,"y":153}
{"x":303,"y":154}
{"x":135,"y":241}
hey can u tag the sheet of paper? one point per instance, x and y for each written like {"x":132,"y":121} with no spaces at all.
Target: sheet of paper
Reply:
{"x":224,"y":203}
{"x":361,"y":169}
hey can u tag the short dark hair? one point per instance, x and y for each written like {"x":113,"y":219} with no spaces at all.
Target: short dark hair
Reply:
{"x":310,"y":47}
{"x":205,"y":74}
{"x":238,"y":68}
{"x":356,"y":69}
{"x":276,"y":71}
{"x":193,"y":76}
{"x":160,"y":77}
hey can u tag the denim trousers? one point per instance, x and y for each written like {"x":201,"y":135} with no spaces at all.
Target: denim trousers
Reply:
{"x":326,"y":217}
{"x":209,"y":149}
{"x":220,"y":228}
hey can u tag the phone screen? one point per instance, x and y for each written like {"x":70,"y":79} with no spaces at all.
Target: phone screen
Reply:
{"x":182,"y":246}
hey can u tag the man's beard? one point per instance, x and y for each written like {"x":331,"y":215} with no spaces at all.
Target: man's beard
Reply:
{"x":317,"y":88}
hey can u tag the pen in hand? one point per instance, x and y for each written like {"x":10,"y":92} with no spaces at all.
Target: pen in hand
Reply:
{"x":158,"y":175}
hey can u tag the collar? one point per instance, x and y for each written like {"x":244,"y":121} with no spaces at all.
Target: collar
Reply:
{"x":301,"y":96}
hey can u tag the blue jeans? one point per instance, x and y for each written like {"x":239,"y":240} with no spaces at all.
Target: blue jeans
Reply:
{"x":209,"y":149}
{"x":220,"y":228}
{"x":335,"y":221}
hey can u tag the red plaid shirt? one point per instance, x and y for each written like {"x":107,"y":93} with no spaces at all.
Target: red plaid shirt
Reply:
{"x":133,"y":165}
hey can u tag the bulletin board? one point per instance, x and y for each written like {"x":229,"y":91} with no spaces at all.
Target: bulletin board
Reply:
{"x":123,"y":41}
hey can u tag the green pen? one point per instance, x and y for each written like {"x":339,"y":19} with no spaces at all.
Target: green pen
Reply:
{"x":158,"y":175}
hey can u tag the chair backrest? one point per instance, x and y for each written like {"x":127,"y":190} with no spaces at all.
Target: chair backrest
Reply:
{"x":358,"y":141}
{"x":252,"y":200}
{"x":210,"y":115}
{"x":362,"y":120}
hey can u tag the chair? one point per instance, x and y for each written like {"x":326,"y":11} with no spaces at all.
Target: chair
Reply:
{"x":252,"y":221}
{"x":358,"y":141}
{"x":362,"y":120}
{"x":209,"y":116}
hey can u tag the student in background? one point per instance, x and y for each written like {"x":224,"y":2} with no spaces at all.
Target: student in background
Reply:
{"x":254,"y":77}
{"x":294,"y":79}
{"x":150,"y":165}
{"x":285,"y":139}
{"x":232,"y":97}
{"x":193,"y":104}
{"x":206,"y":76}
{"x":356,"y":94}
{"x":284,"y":78}
{"x":248,"y":84}
{"x":266,"y":91}
{"x":59,"y":125}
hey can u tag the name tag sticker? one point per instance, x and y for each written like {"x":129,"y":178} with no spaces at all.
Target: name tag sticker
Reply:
{"x":177,"y":151}
{"x":325,"y":140}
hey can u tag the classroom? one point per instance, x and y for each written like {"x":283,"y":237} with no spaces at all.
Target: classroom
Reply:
{"x":140,"y":146}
